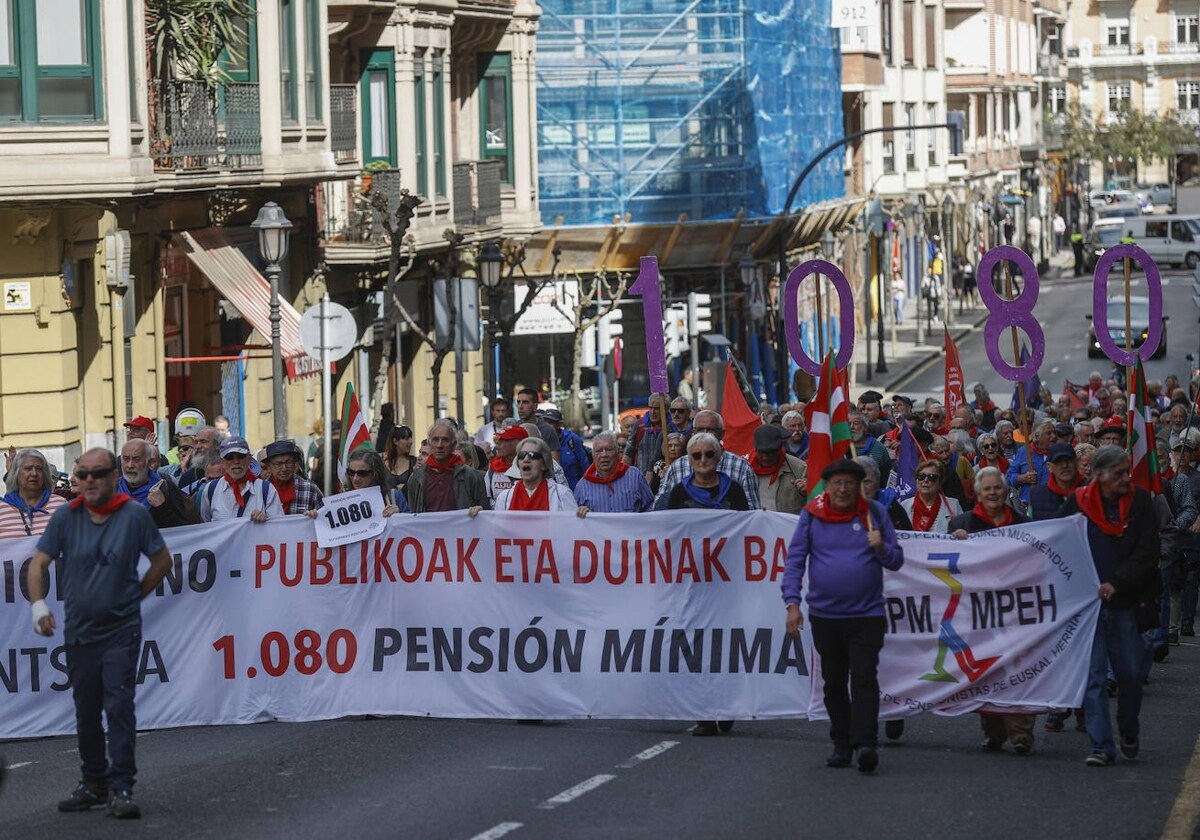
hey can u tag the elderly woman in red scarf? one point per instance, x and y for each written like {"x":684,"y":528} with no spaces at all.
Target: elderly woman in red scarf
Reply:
{"x":931,"y":509}
{"x":993,"y":511}
{"x":535,"y":491}
{"x":989,"y":453}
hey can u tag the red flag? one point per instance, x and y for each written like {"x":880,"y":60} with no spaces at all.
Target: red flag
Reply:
{"x":955,"y":396}
{"x":740,"y":421}
{"x":828,"y":424}
{"x":1139,"y":434}
{"x":1071,"y":390}
{"x":896,"y":265}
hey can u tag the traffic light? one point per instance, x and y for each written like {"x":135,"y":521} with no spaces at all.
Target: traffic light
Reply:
{"x":958,"y":122}
{"x":699,"y":313}
{"x":675,"y":330}
{"x":610,"y":327}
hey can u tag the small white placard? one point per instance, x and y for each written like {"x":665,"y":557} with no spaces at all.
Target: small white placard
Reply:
{"x":18,"y":296}
{"x":848,"y":13}
{"x":349,"y":517}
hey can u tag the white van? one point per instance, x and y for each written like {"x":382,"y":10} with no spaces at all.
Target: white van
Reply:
{"x":1167,"y":239}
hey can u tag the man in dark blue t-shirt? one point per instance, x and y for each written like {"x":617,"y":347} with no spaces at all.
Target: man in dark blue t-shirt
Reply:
{"x":98,"y":540}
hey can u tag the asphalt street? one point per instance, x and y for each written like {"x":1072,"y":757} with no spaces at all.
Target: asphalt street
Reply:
{"x":1061,"y":306}
{"x":467,"y":779}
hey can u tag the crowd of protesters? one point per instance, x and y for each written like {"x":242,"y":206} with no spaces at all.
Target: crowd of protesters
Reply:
{"x":978,"y":468}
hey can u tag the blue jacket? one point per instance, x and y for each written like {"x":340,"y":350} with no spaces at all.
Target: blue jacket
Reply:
{"x":574,"y":455}
{"x":1018,"y":466}
{"x":845,"y":577}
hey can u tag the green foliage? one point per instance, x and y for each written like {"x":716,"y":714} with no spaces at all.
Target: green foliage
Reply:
{"x":188,"y":37}
{"x":1129,"y":136}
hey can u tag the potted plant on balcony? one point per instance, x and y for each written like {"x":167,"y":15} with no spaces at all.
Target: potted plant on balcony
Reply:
{"x":369,"y":171}
{"x":188,"y":41}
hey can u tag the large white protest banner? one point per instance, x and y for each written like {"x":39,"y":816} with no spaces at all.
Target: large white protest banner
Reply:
{"x":521,"y":615}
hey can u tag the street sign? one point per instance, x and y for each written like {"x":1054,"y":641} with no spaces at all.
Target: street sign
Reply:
{"x":341,"y":332}
{"x":618,"y":357}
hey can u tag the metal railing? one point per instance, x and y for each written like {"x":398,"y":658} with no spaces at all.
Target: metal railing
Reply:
{"x":1183,"y":46}
{"x":476,"y":193}
{"x":343,"y":118}
{"x":196,"y":127}
{"x":350,"y":214}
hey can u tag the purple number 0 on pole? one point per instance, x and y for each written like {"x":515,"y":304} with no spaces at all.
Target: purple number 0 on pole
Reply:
{"x":1005,"y":313}
{"x":791,"y":317}
{"x":1104,"y":267}
{"x":646,"y":285}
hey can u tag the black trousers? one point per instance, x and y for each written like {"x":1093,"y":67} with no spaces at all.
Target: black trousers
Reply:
{"x":849,"y":650}
{"x":103,"y":679}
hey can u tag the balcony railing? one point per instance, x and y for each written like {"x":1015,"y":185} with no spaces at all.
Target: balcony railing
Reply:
{"x":1114,"y":49}
{"x":349,"y":211}
{"x":1182,"y":46}
{"x":197,"y":127}
{"x":477,"y":193}
{"x":343,"y":108}
{"x":1188,"y":116}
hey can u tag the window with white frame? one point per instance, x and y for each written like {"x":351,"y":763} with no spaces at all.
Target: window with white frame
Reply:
{"x":910,"y":141}
{"x":1119,"y":94}
{"x":931,"y":134}
{"x":1187,"y":29}
{"x":1116,"y":33}
{"x":1187,"y":95}
{"x":1057,"y":99}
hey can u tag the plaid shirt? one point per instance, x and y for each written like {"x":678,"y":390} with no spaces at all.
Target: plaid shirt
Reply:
{"x":308,"y":497}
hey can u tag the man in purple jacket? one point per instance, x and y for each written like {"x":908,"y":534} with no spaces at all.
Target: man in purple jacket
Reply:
{"x":844,"y":542}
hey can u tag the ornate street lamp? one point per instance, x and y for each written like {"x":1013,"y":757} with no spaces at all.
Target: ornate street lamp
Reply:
{"x":490,"y":267}
{"x":273,"y":227}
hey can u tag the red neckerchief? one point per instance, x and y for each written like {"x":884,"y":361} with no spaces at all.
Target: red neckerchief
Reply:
{"x":111,"y":506}
{"x":923,"y":516}
{"x":821,"y":509}
{"x":1001,"y":463}
{"x":991,"y":406}
{"x":237,"y":487}
{"x":522,"y":500}
{"x":1091,"y":504}
{"x":499,"y":465}
{"x":1033,"y":448}
{"x":455,"y":461}
{"x":1055,"y":487}
{"x":942,"y":432}
{"x":595,"y":477}
{"x":759,"y":469}
{"x":983,"y":514}
{"x":287,"y":493}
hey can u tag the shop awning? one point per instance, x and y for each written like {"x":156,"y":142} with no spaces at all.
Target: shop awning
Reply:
{"x":239,"y":282}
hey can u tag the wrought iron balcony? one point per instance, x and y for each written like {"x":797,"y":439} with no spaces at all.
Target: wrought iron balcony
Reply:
{"x":200,"y":128}
{"x":477,"y":193}
{"x":343,"y":108}
{"x":352,"y":212}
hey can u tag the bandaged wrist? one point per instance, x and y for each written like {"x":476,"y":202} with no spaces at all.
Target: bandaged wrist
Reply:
{"x":40,"y":611}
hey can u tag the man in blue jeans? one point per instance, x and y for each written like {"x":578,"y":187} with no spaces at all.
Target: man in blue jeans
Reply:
{"x":1123,"y":536}
{"x":98,"y":539}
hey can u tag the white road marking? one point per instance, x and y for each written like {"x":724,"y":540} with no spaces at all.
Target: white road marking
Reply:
{"x":1185,"y":814}
{"x":498,"y":831}
{"x":646,"y":755}
{"x":18,"y":765}
{"x":507,"y":767}
{"x":571,"y":794}
{"x":1066,"y":357}
{"x":1054,"y":369}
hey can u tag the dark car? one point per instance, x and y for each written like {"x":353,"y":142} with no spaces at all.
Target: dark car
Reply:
{"x":1139,"y":319}
{"x":1103,"y":235}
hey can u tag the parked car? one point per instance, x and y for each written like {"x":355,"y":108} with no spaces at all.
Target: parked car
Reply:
{"x":1119,"y":210}
{"x":1159,"y":195}
{"x":1169,"y":240}
{"x":1099,"y":198}
{"x":1139,"y":317}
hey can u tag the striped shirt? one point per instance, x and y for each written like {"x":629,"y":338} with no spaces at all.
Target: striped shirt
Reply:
{"x":736,"y":468}
{"x":628,"y":494}
{"x":17,"y":523}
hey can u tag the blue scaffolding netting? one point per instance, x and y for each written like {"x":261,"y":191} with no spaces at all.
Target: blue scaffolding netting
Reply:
{"x":655,"y":108}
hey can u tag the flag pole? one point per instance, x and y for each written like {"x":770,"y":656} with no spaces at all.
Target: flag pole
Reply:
{"x":1025,"y":429}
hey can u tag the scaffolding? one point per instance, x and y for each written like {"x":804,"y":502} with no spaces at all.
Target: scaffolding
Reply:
{"x":651,"y":109}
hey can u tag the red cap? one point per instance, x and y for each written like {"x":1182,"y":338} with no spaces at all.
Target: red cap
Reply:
{"x":514,"y":432}
{"x":1114,"y":423}
{"x":141,"y":423}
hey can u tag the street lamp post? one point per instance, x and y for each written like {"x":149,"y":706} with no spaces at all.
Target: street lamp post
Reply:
{"x":947,"y":256}
{"x":490,"y":264}
{"x":751,"y":274}
{"x":884,"y":292}
{"x":273,"y":226}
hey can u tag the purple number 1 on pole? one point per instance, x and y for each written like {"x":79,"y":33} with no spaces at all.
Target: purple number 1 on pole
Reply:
{"x":646,"y":285}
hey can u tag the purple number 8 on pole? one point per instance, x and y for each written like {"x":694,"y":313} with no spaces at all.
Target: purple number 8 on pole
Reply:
{"x":1017,"y":312}
{"x":646,"y":285}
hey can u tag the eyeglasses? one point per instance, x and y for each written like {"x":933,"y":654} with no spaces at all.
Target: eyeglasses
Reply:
{"x":929,"y":477}
{"x":706,"y":455}
{"x":98,"y":472}
{"x":530,"y":456}
{"x":235,"y":456}
{"x":679,"y":411}
{"x":359,"y":473}
{"x":988,"y":446}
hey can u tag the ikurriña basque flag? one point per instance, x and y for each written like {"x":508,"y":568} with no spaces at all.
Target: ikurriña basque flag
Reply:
{"x":355,"y":433}
{"x":1139,"y":434}
{"x":828,"y":420}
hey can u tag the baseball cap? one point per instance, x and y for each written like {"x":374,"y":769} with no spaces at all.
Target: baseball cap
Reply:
{"x":552,"y":414}
{"x":140,"y":423}
{"x":902,"y":399}
{"x":234,"y":445}
{"x":1060,"y":452}
{"x":514,"y":432}
{"x":1189,"y":439}
{"x":768,"y":438}
{"x":279,"y":447}
{"x":1113,"y":425}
